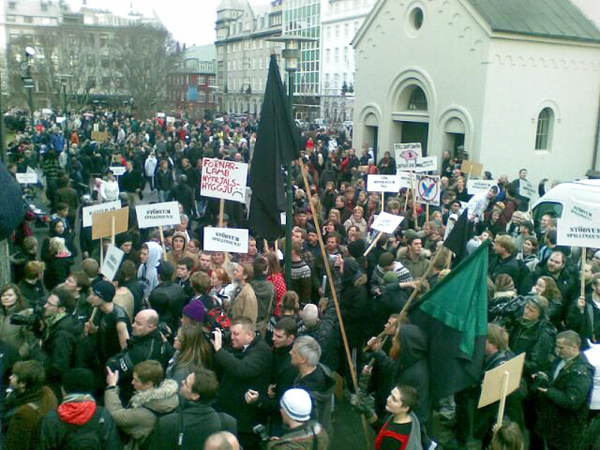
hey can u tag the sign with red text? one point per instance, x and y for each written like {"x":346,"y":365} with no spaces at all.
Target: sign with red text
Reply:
{"x":428,"y":190}
{"x":224,"y":179}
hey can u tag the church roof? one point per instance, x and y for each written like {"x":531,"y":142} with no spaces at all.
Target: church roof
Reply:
{"x":559,"y":19}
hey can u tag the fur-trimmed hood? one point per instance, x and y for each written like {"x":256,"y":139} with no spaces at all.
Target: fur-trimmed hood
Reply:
{"x":162,"y":399}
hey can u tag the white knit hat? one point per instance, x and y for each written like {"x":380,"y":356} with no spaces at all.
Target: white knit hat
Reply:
{"x":297,"y":404}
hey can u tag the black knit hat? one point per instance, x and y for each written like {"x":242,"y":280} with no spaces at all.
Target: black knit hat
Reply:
{"x":105,"y":290}
{"x":356,"y":248}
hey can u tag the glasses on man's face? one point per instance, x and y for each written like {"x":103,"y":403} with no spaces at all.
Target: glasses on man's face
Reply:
{"x":52,"y":304}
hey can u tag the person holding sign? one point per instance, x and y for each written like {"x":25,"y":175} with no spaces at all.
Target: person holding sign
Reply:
{"x":516,"y":185}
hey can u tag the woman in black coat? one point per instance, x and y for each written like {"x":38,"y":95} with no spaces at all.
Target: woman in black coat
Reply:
{"x":58,"y":265}
{"x":57,"y":229}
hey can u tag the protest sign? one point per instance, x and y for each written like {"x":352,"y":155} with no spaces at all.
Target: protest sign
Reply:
{"x":158,"y":214}
{"x":494,"y":379}
{"x":170,"y":119}
{"x":478,"y":186}
{"x":27,"y":178}
{"x":404,"y":179}
{"x":526,"y":189}
{"x":428,"y":190}
{"x":579,"y":225}
{"x":99,"y":136}
{"x":386,"y":223}
{"x":224,"y":179}
{"x":426,"y":164}
{"x":160,"y":115}
{"x":383,"y":183}
{"x":406,"y":155}
{"x":471,"y":168}
{"x":89,"y":210}
{"x":118,"y":170}
{"x":102,"y":223}
{"x":112,"y":262}
{"x":226,"y":240}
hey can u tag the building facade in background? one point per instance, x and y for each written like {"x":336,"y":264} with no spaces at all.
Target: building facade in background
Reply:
{"x":192,"y":85}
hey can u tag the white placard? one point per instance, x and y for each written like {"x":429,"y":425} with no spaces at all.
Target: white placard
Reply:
{"x":160,"y":115}
{"x":478,"y":186}
{"x":226,"y":240}
{"x":224,"y":179}
{"x":427,"y":190}
{"x":387,"y":223}
{"x":383,"y":183}
{"x":426,"y":164}
{"x":579,"y":225}
{"x":27,"y":178}
{"x":60,"y":120}
{"x":158,"y":214}
{"x":89,"y":210}
{"x":404,"y":179}
{"x":406,"y":155}
{"x":112,"y":262}
{"x":170,"y":119}
{"x":118,"y":170}
{"x":526,"y":189}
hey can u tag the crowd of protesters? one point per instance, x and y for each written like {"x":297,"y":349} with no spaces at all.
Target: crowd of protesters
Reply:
{"x":194,"y":349}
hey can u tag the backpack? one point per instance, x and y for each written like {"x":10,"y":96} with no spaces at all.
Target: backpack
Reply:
{"x":84,"y":437}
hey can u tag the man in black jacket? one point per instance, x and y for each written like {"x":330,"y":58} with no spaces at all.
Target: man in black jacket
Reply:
{"x":196,"y":420}
{"x":183,"y":194}
{"x":505,"y":260}
{"x":245,"y":367}
{"x":61,"y":334}
{"x":131,"y":182}
{"x":563,"y":406}
{"x":168,"y":289}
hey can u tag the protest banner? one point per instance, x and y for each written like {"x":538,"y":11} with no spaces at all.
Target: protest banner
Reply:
{"x":579,"y":224}
{"x":406,"y":155}
{"x":426,"y":164}
{"x":110,"y":223}
{"x":526,"y":189}
{"x":112,"y":262}
{"x":471,"y":168}
{"x":428,"y":189}
{"x":88,"y":211}
{"x":158,"y":214}
{"x":493,"y":380}
{"x":27,"y":178}
{"x":160,"y":115}
{"x":478,"y":186}
{"x":404,"y":179}
{"x":226,"y":240}
{"x":99,"y":136}
{"x":386,"y":223}
{"x":118,"y":170}
{"x":170,"y":119}
{"x":224,"y":179}
{"x":383,"y":183}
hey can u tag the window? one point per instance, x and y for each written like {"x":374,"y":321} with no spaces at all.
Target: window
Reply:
{"x":545,"y":126}
{"x":260,"y":63}
{"x":12,"y":5}
{"x":347,"y":30}
{"x":337,"y":31}
{"x":336,"y":53}
{"x":416,"y":18}
{"x":417,"y":100}
{"x":28,"y":19}
{"x":103,"y":40}
{"x":201,"y":96}
{"x":11,"y":18}
{"x":345,"y":54}
{"x":328,"y":55}
{"x":201,"y":80}
{"x":105,"y":63}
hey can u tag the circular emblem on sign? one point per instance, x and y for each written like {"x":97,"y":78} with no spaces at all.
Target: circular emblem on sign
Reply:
{"x":428,"y":189}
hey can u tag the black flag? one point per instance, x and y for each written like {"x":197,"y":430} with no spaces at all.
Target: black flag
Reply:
{"x":458,"y":237}
{"x":277,"y":143}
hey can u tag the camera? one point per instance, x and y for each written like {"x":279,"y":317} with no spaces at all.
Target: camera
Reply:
{"x":261,"y":430}
{"x":540,"y":381}
{"x":32,"y":322}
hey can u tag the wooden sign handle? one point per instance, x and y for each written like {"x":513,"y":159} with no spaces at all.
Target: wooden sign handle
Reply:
{"x":162,"y":241}
{"x":505,"y":380}
{"x":221,"y":212}
{"x":373,"y":244}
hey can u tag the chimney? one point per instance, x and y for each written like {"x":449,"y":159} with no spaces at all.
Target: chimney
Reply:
{"x":177,"y":50}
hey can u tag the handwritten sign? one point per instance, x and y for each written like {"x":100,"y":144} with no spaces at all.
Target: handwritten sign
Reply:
{"x":102,"y":223}
{"x":88,"y":211}
{"x":158,"y":214}
{"x":471,"y":168}
{"x":118,"y":170}
{"x":386,"y":223}
{"x":383,"y":183}
{"x":224,"y":179}
{"x":579,"y":224}
{"x":526,"y":189}
{"x":406,"y":155}
{"x":226,"y":240}
{"x":426,"y":164}
{"x":99,"y":136}
{"x":404,"y":179}
{"x":27,"y":178}
{"x":478,"y":186}
{"x":428,"y":189}
{"x":112,"y":262}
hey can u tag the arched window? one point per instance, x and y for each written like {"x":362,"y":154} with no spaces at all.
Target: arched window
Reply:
{"x":545,"y":127}
{"x":417,"y":100}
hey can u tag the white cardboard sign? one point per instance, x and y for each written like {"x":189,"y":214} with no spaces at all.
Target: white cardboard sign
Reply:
{"x":118,"y":170}
{"x":478,"y":186}
{"x":426,"y":164}
{"x":579,"y":225}
{"x":386,"y":223}
{"x":89,"y":210}
{"x":112,"y":262}
{"x":224,"y":179}
{"x":27,"y":178}
{"x":383,"y":183}
{"x":404,"y":179}
{"x":427,"y":190}
{"x":406,"y":155}
{"x":226,"y":240}
{"x":158,"y":214}
{"x":526,"y":189}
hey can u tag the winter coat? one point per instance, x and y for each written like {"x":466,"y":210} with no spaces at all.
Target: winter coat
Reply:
{"x":57,"y":270}
{"x":150,"y":166}
{"x":164,"y":180}
{"x":243,"y":370}
{"x":418,"y":267}
{"x":353,"y":302}
{"x":244,"y":304}
{"x":168,"y":299}
{"x":109,"y":191}
{"x":34,"y":293}
{"x":586,"y":322}
{"x":199,"y":422}
{"x":14,"y":335}
{"x":265,"y":297}
{"x":302,"y":438}
{"x":147,"y":274}
{"x":140,"y":416}
{"x":562,"y":410}
{"x":537,"y":342}
{"x":23,"y":415}
{"x":326,"y":333}
{"x":140,"y":348}
{"x":59,"y":347}
{"x":77,"y":410}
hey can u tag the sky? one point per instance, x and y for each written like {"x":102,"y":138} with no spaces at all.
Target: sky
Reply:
{"x":190,"y":21}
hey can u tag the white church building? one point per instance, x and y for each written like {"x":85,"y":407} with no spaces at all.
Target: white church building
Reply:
{"x":514,"y":82}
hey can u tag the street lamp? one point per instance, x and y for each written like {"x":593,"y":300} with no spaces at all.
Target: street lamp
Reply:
{"x":291,"y":55}
{"x":28,"y":80}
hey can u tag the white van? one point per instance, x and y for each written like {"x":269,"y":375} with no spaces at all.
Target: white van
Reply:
{"x":587,"y":191}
